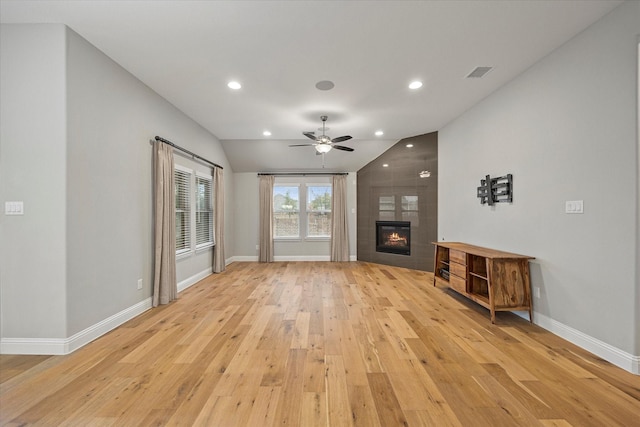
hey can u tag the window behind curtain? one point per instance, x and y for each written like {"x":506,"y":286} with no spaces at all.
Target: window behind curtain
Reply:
{"x":204,"y":212}
{"x":182,"y":180}
{"x":286,"y":211}
{"x":319,"y":210}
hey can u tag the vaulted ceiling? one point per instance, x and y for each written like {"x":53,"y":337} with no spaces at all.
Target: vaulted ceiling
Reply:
{"x":187,"y":51}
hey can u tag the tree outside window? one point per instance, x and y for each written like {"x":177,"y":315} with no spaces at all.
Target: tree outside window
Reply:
{"x":286,"y":212}
{"x":319,"y":210}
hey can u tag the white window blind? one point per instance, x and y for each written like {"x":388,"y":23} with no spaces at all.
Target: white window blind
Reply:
{"x":204,"y":212}
{"x":182,"y":180}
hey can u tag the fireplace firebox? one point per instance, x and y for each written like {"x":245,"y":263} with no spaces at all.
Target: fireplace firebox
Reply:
{"x":393,"y":237}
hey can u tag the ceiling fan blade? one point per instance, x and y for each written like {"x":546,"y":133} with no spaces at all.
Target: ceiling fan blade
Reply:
{"x":302,"y":145}
{"x":309,"y":135}
{"x":342,"y":147}
{"x":341,"y":138}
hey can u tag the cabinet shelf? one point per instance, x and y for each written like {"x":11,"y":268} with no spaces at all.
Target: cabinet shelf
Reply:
{"x":494,"y":279}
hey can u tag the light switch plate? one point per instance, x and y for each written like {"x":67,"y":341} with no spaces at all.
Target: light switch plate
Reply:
{"x":14,"y":208}
{"x":574,"y":207}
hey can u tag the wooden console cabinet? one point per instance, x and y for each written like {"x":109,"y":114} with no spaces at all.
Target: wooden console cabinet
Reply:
{"x":494,"y":279}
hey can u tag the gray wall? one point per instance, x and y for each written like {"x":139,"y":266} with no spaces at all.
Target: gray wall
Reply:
{"x":84,"y":154}
{"x":33,"y":270}
{"x":566,"y":130}
{"x":401,"y":178}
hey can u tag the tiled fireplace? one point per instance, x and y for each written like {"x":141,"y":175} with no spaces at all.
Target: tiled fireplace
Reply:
{"x":397,"y":208}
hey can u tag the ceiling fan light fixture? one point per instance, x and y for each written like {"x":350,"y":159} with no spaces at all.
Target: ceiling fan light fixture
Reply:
{"x":323,"y":148}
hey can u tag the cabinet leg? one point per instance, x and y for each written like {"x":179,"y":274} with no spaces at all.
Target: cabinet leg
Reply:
{"x":493,"y":316}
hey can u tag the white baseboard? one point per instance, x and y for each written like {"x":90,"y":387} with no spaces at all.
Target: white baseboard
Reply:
{"x":244,"y":259}
{"x":614,"y":355}
{"x":61,"y":346}
{"x":289,"y":258}
{"x":302,"y":258}
{"x":190,"y":281}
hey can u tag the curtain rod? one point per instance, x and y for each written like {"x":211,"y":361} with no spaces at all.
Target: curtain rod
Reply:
{"x":194,"y":155}
{"x":302,"y":173}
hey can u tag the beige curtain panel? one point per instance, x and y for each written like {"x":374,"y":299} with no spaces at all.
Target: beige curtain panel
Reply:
{"x":265,"y":253}
{"x":339,"y":229}
{"x":165,"y":287}
{"x":218,"y":228}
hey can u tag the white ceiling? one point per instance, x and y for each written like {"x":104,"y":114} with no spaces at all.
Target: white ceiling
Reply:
{"x":187,"y":51}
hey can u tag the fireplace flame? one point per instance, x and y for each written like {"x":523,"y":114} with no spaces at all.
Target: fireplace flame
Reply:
{"x":395,"y":239}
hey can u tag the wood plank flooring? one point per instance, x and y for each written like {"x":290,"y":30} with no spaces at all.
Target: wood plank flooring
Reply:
{"x":319,"y":344}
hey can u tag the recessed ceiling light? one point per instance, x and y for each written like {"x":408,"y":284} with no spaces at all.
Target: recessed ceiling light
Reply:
{"x":379,"y":133}
{"x":266,"y":133}
{"x":234,"y":85}
{"x":409,"y":145}
{"x":386,"y":165}
{"x":415,"y":85}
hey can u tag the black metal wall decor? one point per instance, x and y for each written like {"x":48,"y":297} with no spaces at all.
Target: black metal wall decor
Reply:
{"x":496,"y":190}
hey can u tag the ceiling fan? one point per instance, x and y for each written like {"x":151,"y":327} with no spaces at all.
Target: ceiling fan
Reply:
{"x":323,"y":143}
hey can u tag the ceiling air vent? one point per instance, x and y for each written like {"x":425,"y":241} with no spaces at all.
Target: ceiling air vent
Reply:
{"x":479,"y":72}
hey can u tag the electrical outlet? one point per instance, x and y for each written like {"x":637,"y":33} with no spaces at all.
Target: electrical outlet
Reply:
{"x":139,"y":283}
{"x":536,"y":291}
{"x":257,"y":247}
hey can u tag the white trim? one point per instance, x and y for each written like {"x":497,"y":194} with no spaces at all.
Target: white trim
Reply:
{"x":239,"y":258}
{"x":182,"y":168}
{"x":287,"y":258}
{"x":61,"y":346}
{"x":302,"y":258}
{"x":190,"y":281}
{"x":204,"y":175}
{"x":614,"y":355}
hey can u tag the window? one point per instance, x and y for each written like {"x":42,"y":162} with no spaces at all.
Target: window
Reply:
{"x":182,"y":181}
{"x":194,"y":210}
{"x":299,"y":209}
{"x":410,"y":211}
{"x":286,"y":211}
{"x":400,"y":208}
{"x":204,"y":212}
{"x":387,"y":208}
{"x":318,"y":210}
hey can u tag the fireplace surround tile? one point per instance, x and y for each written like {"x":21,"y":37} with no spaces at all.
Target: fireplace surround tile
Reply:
{"x":380,"y":197}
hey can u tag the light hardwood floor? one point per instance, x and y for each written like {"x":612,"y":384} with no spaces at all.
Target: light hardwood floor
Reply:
{"x":320,"y":344}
